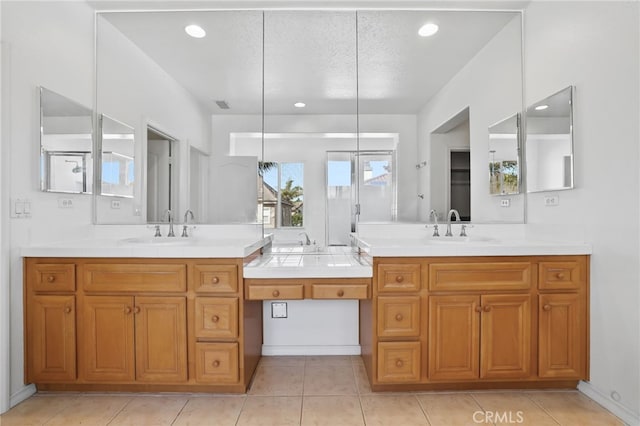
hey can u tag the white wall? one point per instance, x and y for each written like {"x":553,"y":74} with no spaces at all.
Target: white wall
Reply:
{"x":490,"y":86}
{"x":595,"y":46}
{"x":5,"y":305}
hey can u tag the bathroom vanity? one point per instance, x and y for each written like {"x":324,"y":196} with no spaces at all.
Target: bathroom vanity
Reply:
{"x":432,"y":315}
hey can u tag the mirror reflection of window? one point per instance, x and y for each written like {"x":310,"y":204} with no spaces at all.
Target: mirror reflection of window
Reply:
{"x":118,"y":163}
{"x":65,"y":144}
{"x":549,"y":142}
{"x":504,"y":165}
{"x":283,"y":192}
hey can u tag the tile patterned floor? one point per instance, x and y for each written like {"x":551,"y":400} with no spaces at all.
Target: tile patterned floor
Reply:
{"x":331,"y":391}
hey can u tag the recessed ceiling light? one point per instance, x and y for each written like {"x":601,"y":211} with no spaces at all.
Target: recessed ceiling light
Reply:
{"x":299,"y":105}
{"x":195,"y":31}
{"x":541,"y":107}
{"x":427,"y":30}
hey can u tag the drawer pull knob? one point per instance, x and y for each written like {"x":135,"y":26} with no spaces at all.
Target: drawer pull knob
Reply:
{"x":51,"y":278}
{"x":340,"y":293}
{"x":276,"y":293}
{"x":67,"y":310}
{"x":216,"y":363}
{"x":547,"y":307}
{"x":215,"y":280}
{"x":560,"y":275}
{"x":478,"y":308}
{"x":215,"y":318}
{"x":399,"y":278}
{"x":399,"y":363}
{"x":127,"y":310}
{"x":486,"y":308}
{"x":399,"y":317}
{"x":136,"y":310}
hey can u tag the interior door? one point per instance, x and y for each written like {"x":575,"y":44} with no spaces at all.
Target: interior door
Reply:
{"x":377,"y":186}
{"x":158,"y":179}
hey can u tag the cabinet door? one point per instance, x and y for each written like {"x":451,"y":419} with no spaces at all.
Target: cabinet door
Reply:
{"x":51,"y":334}
{"x":561,"y":349}
{"x":505,"y":336}
{"x":161,"y":339}
{"x":454,"y":337}
{"x":108,"y":348}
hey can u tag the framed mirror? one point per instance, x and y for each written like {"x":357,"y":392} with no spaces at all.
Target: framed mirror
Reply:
{"x":549,"y":143}
{"x":504,"y":156}
{"x":117,"y":150}
{"x":66,"y":128}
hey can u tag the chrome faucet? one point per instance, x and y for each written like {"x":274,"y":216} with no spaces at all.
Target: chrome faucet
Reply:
{"x":434,"y":215}
{"x":187,"y":214}
{"x":169,"y":216}
{"x":307,"y":241}
{"x":455,"y":212}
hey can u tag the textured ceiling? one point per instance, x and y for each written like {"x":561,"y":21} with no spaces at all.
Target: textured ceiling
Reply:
{"x":322,"y":58}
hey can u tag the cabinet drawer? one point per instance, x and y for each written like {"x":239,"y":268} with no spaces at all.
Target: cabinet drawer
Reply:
{"x":403,"y":277}
{"x":479,"y":276}
{"x":399,"y":316}
{"x":54,"y":277}
{"x":398,"y":362}
{"x":216,"y":317}
{"x":338,"y":291}
{"x":217,"y":363}
{"x":134,"y":277}
{"x":216,"y":278}
{"x":560,"y":275}
{"x":275,"y":291}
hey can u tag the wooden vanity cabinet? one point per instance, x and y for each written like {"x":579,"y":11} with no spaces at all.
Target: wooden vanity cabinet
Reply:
{"x":139,"y":324}
{"x":476,"y":322}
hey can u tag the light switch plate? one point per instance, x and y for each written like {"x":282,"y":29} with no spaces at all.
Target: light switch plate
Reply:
{"x":278,"y":309}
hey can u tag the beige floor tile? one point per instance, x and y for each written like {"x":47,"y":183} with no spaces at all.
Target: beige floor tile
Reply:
{"x":293,"y":361}
{"x":573,"y":408}
{"x":510,"y":407}
{"x":38,"y":409}
{"x":271,"y":410}
{"x":451,"y":409}
{"x":331,"y":410}
{"x":277,"y":380}
{"x":330,"y":380}
{"x":150,"y":410}
{"x":91,"y":410}
{"x":211,"y":411}
{"x":385,"y":410}
{"x":328,"y":360}
{"x":362,"y":380}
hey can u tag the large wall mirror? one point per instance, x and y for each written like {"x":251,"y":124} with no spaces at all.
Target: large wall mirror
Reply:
{"x":550,"y":143}
{"x":66,"y":161}
{"x":360,"y":118}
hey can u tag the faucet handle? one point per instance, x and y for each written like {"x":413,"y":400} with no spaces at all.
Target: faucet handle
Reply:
{"x":463,"y":229}
{"x":435,"y":230}
{"x":157,"y":231}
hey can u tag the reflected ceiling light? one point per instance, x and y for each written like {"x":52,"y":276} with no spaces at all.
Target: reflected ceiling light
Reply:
{"x":427,"y":30}
{"x":541,"y":107}
{"x":195,"y":31}
{"x":299,"y":105}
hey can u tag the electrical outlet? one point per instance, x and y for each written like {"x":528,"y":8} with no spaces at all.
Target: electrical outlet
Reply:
{"x":65,"y":203}
{"x":278,"y":309}
{"x":551,"y":200}
{"x":505,"y":202}
{"x":115,"y":204}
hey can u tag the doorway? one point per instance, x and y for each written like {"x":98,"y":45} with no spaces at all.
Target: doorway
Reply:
{"x":162,"y":175}
{"x":460,"y":182}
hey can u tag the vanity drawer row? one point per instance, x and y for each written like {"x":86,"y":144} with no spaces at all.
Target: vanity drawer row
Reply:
{"x":176,"y":324}
{"x":477,"y":320}
{"x":308,"y":288}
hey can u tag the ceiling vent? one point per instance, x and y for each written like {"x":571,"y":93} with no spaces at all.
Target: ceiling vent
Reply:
{"x":222,"y":104}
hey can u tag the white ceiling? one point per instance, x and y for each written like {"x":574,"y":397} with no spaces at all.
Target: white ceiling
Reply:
{"x":310,"y":56}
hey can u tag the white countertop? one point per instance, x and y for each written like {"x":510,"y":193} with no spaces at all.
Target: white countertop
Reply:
{"x":309,"y":262}
{"x":162,"y":247}
{"x":472,"y":246}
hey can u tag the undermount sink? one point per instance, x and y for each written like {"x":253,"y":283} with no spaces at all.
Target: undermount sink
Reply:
{"x":157,"y":241}
{"x":461,"y":240}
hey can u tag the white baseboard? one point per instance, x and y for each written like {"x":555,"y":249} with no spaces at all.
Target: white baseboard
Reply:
{"x":268,"y":350}
{"x":22,"y":394}
{"x":626,"y":415}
